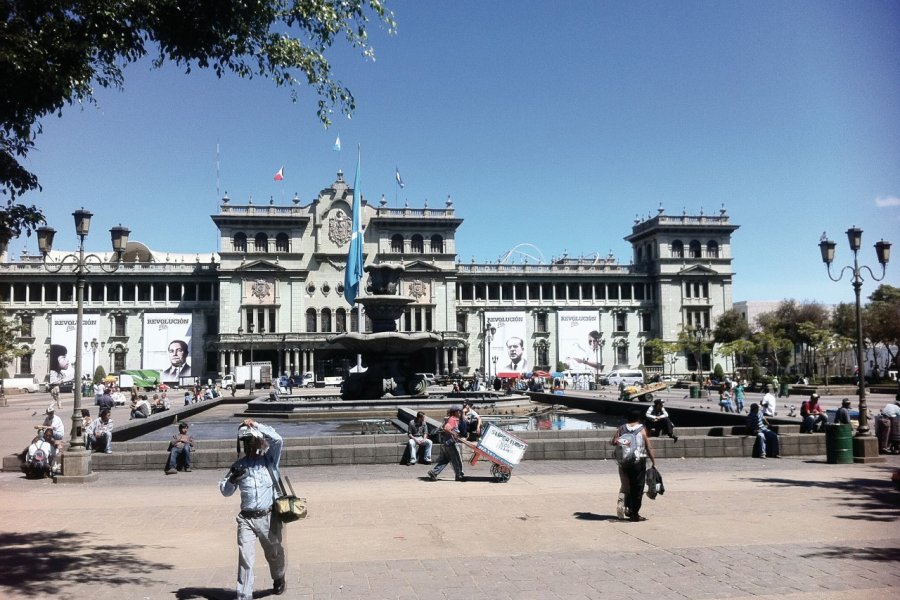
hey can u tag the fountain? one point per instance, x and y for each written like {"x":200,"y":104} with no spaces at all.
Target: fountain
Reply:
{"x":386,"y":351}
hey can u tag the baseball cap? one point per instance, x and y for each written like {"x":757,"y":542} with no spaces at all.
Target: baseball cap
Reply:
{"x":50,"y":409}
{"x":455,"y":407}
{"x":814,"y":395}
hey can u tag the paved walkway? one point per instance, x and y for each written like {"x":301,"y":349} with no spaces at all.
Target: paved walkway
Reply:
{"x":726,"y":528}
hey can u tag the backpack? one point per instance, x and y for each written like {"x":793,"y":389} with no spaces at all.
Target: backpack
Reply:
{"x":629,"y":443}
{"x":39,"y":465}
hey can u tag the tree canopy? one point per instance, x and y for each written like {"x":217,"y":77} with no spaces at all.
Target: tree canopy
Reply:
{"x":54,"y":52}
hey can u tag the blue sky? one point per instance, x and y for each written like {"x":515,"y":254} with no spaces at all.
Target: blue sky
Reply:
{"x":547,"y":123}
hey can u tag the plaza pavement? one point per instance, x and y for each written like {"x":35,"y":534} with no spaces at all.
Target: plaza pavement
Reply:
{"x":726,"y":528}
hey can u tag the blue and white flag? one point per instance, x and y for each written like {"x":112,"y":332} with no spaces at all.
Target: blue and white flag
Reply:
{"x":337,"y":144}
{"x":354,"y":271}
{"x":399,"y":179}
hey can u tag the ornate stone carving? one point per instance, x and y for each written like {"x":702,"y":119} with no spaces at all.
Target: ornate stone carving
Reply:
{"x":261,"y":289}
{"x":417,"y":289}
{"x":339,"y":226}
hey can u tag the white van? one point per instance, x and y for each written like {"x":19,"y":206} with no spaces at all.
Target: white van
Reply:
{"x":628,"y":376}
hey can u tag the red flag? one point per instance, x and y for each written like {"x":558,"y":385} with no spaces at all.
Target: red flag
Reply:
{"x":280,"y":174}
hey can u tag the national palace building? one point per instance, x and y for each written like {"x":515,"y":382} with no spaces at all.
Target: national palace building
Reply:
{"x":274,"y":287}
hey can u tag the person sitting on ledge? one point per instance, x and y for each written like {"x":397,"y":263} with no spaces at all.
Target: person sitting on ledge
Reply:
{"x":758,"y":426}
{"x":842,"y":416}
{"x":658,"y":420}
{"x":814,"y":418}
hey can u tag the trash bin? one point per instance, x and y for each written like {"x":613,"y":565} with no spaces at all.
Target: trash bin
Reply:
{"x":785,"y":390}
{"x":694,"y":390}
{"x":838,"y":444}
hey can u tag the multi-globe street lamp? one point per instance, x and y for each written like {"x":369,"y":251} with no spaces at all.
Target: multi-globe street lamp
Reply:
{"x":489,"y":332}
{"x":883,"y":252}
{"x":76,"y":463}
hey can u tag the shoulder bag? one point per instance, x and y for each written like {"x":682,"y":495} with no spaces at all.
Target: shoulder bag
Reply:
{"x":288,"y":507}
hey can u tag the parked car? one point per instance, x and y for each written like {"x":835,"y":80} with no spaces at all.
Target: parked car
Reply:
{"x":429,"y":378}
{"x":626,"y":376}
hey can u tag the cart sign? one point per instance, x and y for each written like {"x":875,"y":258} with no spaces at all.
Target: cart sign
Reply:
{"x":501,"y":445}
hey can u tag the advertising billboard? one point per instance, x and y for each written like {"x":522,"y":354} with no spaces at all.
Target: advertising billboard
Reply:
{"x":578,"y":333}
{"x":508,"y":344}
{"x":63,"y":335}
{"x":167,"y":344}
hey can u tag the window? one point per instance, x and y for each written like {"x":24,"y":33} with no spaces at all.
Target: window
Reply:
{"x":261,"y":243}
{"x":326,"y":320}
{"x":311,"y":320}
{"x":621,"y":322}
{"x":175,"y":292}
{"x":119,"y":322}
{"x":462,"y":357}
{"x":354,"y":321}
{"x":694,"y":251}
{"x":397,"y":243}
{"x":645,"y":322}
{"x":96,"y":292}
{"x":677,"y":249}
{"x":112,"y":292}
{"x":50,"y":293}
{"x":417,"y":244}
{"x":461,"y":322}
{"x":622,"y":354}
{"x":282,"y":243}
{"x":25,"y":364}
{"x":712,"y":249}
{"x":239,"y":243}
{"x":340,"y":320}
{"x":25,"y":324}
{"x":541,"y":324}
{"x":118,"y":360}
{"x":437,"y":244}
{"x":273,"y":321}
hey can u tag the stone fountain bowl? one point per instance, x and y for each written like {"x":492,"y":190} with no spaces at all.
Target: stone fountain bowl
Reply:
{"x":385,"y":342}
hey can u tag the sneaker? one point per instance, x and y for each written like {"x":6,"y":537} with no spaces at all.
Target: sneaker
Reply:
{"x":171,"y":471}
{"x":427,"y":461}
{"x":411,"y":463}
{"x":777,"y":456}
{"x":187,"y":469}
{"x":278,"y":586}
{"x":461,"y":478}
{"x":675,"y":439}
{"x":432,"y":476}
{"x":108,"y":451}
{"x":762,"y":455}
{"x":637,"y":518}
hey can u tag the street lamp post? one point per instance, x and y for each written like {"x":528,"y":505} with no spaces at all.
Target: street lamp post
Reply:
{"x":701,"y":335}
{"x":93,"y":346}
{"x":495,"y":364}
{"x":76,"y":461}
{"x":489,"y":331}
{"x":250,"y":334}
{"x":883,"y":252}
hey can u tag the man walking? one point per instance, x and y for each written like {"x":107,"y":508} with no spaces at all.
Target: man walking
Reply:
{"x":255,"y":474}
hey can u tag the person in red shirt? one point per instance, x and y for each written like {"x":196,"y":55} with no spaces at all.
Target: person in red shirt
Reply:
{"x":814,"y":418}
{"x":449,"y":451}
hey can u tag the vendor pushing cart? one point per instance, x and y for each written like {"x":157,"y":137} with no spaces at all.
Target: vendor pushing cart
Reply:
{"x":503,"y":449}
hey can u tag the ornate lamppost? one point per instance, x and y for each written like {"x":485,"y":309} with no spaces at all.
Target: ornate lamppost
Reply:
{"x":495,"y":364}
{"x":883,"y":252}
{"x":76,"y":463}
{"x":489,"y":332}
{"x":250,"y":334}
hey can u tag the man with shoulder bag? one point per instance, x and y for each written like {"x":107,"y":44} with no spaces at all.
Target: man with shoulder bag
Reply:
{"x":256,"y":475}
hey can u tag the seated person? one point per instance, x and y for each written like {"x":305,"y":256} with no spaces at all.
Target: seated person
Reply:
{"x":417,"y":431}
{"x":40,"y":456}
{"x":55,"y":424}
{"x":842,"y":416}
{"x":758,"y":426}
{"x":140,"y":409}
{"x":118,"y":397}
{"x":180,"y":446}
{"x":473,"y":421}
{"x":890,"y":411}
{"x":814,"y":418}
{"x":98,"y":435}
{"x":657,"y":420}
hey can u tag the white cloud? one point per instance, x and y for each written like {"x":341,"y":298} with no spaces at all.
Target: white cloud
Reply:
{"x":887,"y":201}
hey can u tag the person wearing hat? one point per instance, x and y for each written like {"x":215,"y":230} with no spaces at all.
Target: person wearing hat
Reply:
{"x":814,"y":418}
{"x":450,"y":435}
{"x":883,"y":423}
{"x":255,"y":475}
{"x":658,"y":420}
{"x":842,"y":416}
{"x":180,"y":446}
{"x":55,"y":423}
{"x":473,"y":421}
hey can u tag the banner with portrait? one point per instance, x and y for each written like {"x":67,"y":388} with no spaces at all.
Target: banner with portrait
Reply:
{"x":167,"y":344}
{"x":63,"y":336}
{"x":508,"y":343}
{"x":578,"y":339}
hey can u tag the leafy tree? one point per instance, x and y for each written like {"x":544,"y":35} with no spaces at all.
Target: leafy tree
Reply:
{"x":8,"y":349}
{"x":737,"y":351}
{"x":731,"y":326}
{"x":826,"y":343}
{"x":774,"y":347}
{"x":698,"y":347}
{"x":54,"y":53}
{"x":665,"y":353}
{"x":882,"y":319}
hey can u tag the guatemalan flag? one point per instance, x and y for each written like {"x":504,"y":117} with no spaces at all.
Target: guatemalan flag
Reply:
{"x":399,"y":179}
{"x":337,"y":144}
{"x":280,"y":174}
{"x":354,"y":272}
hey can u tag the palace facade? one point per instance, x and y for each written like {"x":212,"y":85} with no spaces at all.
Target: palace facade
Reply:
{"x":273,"y":291}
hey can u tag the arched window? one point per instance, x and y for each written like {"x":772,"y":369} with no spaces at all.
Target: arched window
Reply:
{"x":712,"y":249}
{"x":311,"y":320}
{"x":694,"y":250}
{"x":25,"y":362}
{"x":543,"y":354}
{"x":340,"y":320}
{"x":281,"y":243}
{"x":677,"y":249}
{"x":261,"y":243}
{"x":417,"y":244}
{"x":326,"y":320}
{"x":437,"y":244}
{"x":240,"y":242}
{"x":397,"y":243}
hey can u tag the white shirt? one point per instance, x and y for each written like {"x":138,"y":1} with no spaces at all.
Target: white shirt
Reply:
{"x":891,"y":410}
{"x":56,"y":424}
{"x":769,"y":410}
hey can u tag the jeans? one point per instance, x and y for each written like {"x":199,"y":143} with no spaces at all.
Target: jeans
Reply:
{"x":414,"y":450}
{"x":101,"y":444}
{"x":449,"y":455}
{"x":175,"y":452}
{"x":267,"y":530}
{"x":768,"y":443}
{"x":632,"y":479}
